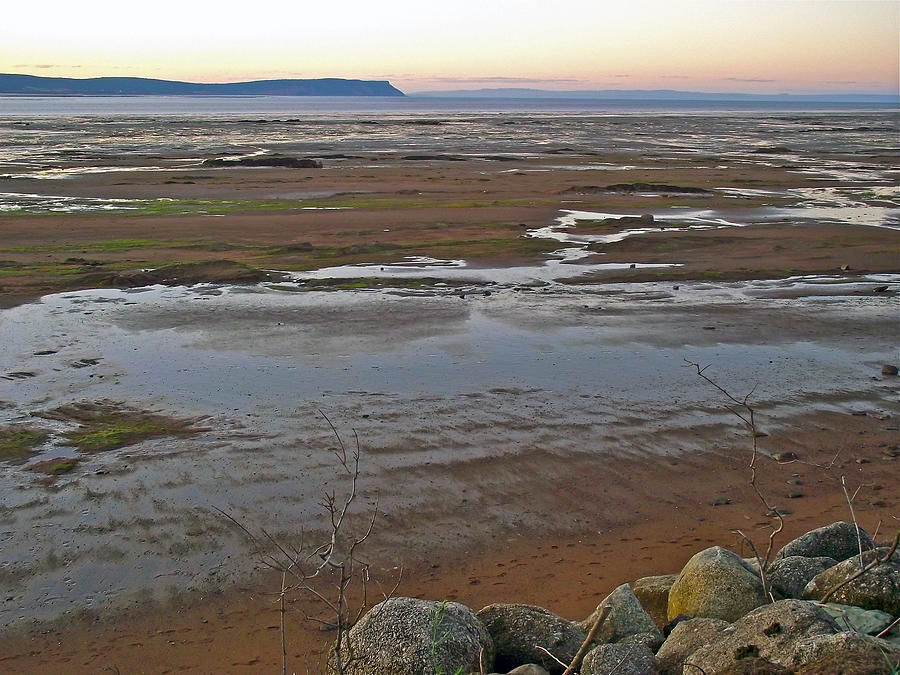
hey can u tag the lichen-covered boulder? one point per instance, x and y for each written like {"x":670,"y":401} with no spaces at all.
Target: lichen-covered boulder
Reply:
{"x":408,"y":636}
{"x":774,"y":632}
{"x":653,"y":594}
{"x":627,"y":620}
{"x":620,"y":659}
{"x":838,"y":540}
{"x":518,"y":630}
{"x":847,"y":653}
{"x":716,"y":584}
{"x":878,"y":588}
{"x":789,"y":576}
{"x":686,"y":638}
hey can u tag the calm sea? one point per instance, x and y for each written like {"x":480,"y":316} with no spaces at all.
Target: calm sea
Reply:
{"x":304,"y":105}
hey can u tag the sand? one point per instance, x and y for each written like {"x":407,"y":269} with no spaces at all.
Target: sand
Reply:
{"x":583,"y":523}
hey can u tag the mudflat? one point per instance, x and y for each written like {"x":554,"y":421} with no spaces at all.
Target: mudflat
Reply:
{"x":503,"y":308}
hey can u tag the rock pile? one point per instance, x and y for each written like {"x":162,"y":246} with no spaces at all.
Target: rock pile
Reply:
{"x":713,"y":617}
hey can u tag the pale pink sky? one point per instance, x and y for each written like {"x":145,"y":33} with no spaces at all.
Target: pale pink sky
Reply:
{"x":711,"y":45}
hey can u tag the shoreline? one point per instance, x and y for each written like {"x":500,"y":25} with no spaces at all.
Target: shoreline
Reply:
{"x":567,"y":573}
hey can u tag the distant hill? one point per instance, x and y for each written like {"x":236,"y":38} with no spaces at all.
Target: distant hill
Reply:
{"x":657,"y":95}
{"x":32,"y":85}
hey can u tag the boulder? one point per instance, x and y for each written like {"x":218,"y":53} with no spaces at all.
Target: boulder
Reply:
{"x":847,"y":653}
{"x":653,"y":594}
{"x":517,"y":631}
{"x":686,"y":638}
{"x":790,"y":575}
{"x":619,"y":659}
{"x":774,"y":632}
{"x":755,"y":666}
{"x":879,"y":588}
{"x":716,"y":584}
{"x":837,"y":541}
{"x":857,"y":619}
{"x":626,"y":619}
{"x":408,"y":636}
{"x":528,"y":669}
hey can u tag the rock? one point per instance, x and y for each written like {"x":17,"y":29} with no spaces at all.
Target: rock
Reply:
{"x":774,"y":632}
{"x":517,"y":631}
{"x":790,"y":575}
{"x":626,"y":618}
{"x":857,"y":619}
{"x":880,"y":289}
{"x":686,"y":638}
{"x":717,"y":584}
{"x":888,"y":369}
{"x":619,"y":659}
{"x":528,"y":669}
{"x":837,"y":541}
{"x":847,"y":653}
{"x":879,"y":588}
{"x":398,"y":637}
{"x":755,"y":666}
{"x":265,"y":161}
{"x":653,"y":594}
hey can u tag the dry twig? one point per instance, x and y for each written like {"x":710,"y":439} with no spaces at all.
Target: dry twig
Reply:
{"x":586,"y":645}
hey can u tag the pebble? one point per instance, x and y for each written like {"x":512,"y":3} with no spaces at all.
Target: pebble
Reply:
{"x":721,"y":501}
{"x":888,"y":369}
{"x":862,"y":460}
{"x":795,"y":495}
{"x":785,"y":457}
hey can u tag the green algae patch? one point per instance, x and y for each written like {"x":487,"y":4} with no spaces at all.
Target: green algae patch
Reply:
{"x":18,"y":443}
{"x":106,"y":425}
{"x":56,"y":466}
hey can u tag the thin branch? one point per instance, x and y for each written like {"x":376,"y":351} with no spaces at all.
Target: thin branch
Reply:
{"x":542,"y":649}
{"x":887,"y":630}
{"x":588,"y":641}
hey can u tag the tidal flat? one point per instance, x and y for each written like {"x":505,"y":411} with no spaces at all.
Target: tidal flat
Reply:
{"x":503,"y":324}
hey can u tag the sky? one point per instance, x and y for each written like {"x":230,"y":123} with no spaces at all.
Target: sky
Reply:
{"x":762,"y":46}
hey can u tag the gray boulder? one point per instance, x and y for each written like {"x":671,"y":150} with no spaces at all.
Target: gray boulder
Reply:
{"x":686,"y":638}
{"x":408,"y":636}
{"x":847,"y":653}
{"x":619,"y":659}
{"x":774,"y":632}
{"x":789,"y":576}
{"x":857,"y":619}
{"x":528,"y":669}
{"x":653,"y":594}
{"x":716,"y":584}
{"x":837,"y":541}
{"x":518,"y":630}
{"x":879,"y":588}
{"x":626,"y":619}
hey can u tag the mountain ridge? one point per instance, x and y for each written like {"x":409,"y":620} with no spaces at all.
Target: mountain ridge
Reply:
{"x":35,"y":85}
{"x":653,"y":95}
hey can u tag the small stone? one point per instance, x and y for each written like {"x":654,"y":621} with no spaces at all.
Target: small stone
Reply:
{"x":675,"y":288}
{"x":633,"y":265}
{"x":721,"y":501}
{"x":709,"y":327}
{"x":844,"y":268}
{"x":795,"y":495}
{"x":879,"y":289}
{"x":785,"y":457}
{"x":878,"y":503}
{"x":888,"y":369}
{"x":862,"y":460}
{"x":859,"y":413}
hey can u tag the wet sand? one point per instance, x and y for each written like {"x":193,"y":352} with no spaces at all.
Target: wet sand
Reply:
{"x":528,"y":424}
{"x":628,"y":518}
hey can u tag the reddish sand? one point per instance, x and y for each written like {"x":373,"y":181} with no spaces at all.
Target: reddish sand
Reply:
{"x":652,"y":515}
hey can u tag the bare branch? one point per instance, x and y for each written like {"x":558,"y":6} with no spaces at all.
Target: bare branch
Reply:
{"x":588,"y":641}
